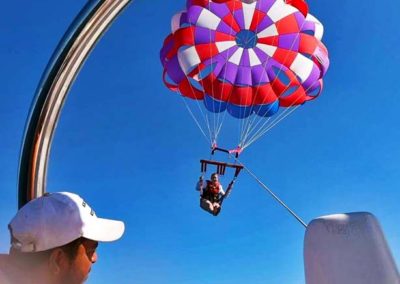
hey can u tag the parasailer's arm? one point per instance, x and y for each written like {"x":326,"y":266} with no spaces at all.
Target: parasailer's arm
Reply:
{"x":221,"y":190}
{"x":201,"y":185}
{"x":230,"y":186}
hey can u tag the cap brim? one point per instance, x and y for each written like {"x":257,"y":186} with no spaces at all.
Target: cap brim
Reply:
{"x":104,"y":230}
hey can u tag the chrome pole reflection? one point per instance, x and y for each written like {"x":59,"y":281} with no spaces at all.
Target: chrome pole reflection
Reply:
{"x":61,"y":71}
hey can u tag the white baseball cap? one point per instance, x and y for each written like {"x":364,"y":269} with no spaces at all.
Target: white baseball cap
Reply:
{"x":56,"y":219}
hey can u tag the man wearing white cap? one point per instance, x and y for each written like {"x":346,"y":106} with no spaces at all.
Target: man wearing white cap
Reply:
{"x":54,"y":240}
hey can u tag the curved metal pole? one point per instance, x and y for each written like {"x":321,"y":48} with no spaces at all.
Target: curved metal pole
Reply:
{"x":61,"y":71}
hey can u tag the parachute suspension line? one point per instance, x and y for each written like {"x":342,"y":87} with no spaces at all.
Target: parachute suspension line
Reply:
{"x":245,"y":128}
{"x":243,"y":124}
{"x":261,"y":132}
{"x":242,"y":131}
{"x":273,"y":194}
{"x":254,"y":136}
{"x":205,"y":118}
{"x":220,"y":127}
{"x":265,"y":126}
{"x":214,"y":136}
{"x":256,"y":127}
{"x":209,"y":120}
{"x":203,"y":114}
{"x":208,"y":139}
{"x":252,"y":127}
{"x":222,"y":115}
{"x":249,"y":120}
{"x":255,"y":117}
{"x":291,"y":49}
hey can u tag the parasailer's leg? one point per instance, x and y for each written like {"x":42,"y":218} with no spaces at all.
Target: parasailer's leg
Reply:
{"x":217,"y":208}
{"x":207,"y":205}
{"x":212,"y":208}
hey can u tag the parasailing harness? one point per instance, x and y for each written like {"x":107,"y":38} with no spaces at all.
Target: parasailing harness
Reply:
{"x":220,"y":170}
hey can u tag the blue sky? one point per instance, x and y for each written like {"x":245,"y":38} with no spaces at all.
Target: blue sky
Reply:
{"x":128,"y":146}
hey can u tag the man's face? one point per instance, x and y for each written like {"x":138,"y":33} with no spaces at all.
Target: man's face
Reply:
{"x":80,"y":266}
{"x":214,"y":178}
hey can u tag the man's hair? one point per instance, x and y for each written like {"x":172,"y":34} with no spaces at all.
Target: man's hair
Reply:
{"x":36,"y":258}
{"x":71,"y":249}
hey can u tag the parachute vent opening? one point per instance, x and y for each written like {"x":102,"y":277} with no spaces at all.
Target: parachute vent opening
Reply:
{"x":246,"y":39}
{"x":289,"y":91}
{"x":309,"y":32}
{"x":196,"y":84}
{"x":185,"y":25}
{"x":205,"y":72}
{"x":168,"y":79}
{"x":281,"y":75}
{"x":309,"y":56}
{"x":315,"y":91}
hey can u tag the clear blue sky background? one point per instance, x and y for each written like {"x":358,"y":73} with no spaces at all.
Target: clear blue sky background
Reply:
{"x":128,"y":146}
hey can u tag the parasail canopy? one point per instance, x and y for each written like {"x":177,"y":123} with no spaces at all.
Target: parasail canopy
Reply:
{"x":245,"y":58}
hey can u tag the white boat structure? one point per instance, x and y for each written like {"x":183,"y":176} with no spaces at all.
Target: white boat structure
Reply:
{"x":348,"y":249}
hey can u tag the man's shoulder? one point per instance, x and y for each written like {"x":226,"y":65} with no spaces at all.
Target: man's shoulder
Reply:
{"x":3,"y":260}
{"x":3,"y":269}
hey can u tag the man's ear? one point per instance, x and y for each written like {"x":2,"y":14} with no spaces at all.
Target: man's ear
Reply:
{"x":58,"y":261}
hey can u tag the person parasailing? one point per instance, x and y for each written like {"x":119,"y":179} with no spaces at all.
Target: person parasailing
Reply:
{"x":211,"y":194}
{"x":244,"y":63}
